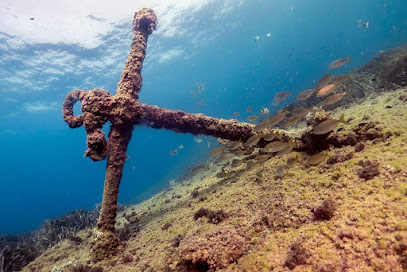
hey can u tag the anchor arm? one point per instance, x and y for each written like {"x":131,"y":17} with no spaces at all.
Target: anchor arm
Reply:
{"x":180,"y":121}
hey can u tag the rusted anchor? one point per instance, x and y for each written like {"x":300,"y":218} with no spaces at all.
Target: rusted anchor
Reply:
{"x":124,"y":111}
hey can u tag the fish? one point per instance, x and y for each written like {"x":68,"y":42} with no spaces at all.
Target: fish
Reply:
{"x":198,"y":139}
{"x":262,"y":158}
{"x":292,"y":161}
{"x":236,"y":114}
{"x":256,"y":38}
{"x":181,"y":146}
{"x":338,"y":63}
{"x":277,"y":146}
{"x":226,"y":156}
{"x":210,"y":165}
{"x":216,"y":152}
{"x":292,"y":120}
{"x":285,"y":151}
{"x":259,"y":174}
{"x":261,"y":126}
{"x":231,"y":174}
{"x":173,"y":152}
{"x":300,"y":111}
{"x":278,"y":118}
{"x":265,"y":110}
{"x":252,"y":118}
{"x":270,"y":136}
{"x":328,"y":125}
{"x":221,"y":174}
{"x":362,"y":24}
{"x":234,"y":145}
{"x":280,"y":171}
{"x":249,"y":109}
{"x":237,"y":162}
{"x":253,"y":140}
{"x":304,"y":95}
{"x":325,"y":79}
{"x":317,"y":158}
{"x":172,"y":182}
{"x":341,"y":79}
{"x":250,"y":165}
{"x":197,"y":169}
{"x":327,"y":90}
{"x":280,"y":96}
{"x":333,"y":99}
{"x":239,"y":152}
{"x":268,"y":35}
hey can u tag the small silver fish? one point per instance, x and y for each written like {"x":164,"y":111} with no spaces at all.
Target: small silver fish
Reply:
{"x":234,"y":145}
{"x":198,"y":139}
{"x":262,"y":158}
{"x":252,"y":118}
{"x":237,"y":162}
{"x":250,"y":165}
{"x":362,"y":24}
{"x":341,"y":79}
{"x":253,"y":140}
{"x":285,"y":151}
{"x":292,"y":161}
{"x":280,"y":171}
{"x":317,"y":158}
{"x":269,"y":137}
{"x":328,"y":125}
{"x":300,"y":111}
{"x":261,"y":126}
{"x":226,"y":156}
{"x":292,"y":120}
{"x":216,"y":152}
{"x":277,"y":146}
{"x":338,"y":63}
{"x":278,"y":118}
{"x":304,"y":95}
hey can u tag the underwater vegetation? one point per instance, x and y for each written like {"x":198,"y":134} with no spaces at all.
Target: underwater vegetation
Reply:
{"x":18,"y":250}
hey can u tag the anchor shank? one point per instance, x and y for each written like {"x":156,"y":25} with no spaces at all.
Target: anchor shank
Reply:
{"x":180,"y":121}
{"x":119,"y":138}
{"x":145,"y":21}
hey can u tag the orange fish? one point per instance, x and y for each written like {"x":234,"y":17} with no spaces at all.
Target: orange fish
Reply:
{"x":333,"y":99}
{"x":304,"y":95}
{"x":327,"y":90}
{"x":325,"y":79}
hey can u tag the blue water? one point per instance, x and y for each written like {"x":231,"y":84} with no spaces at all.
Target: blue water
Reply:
{"x":43,"y":171}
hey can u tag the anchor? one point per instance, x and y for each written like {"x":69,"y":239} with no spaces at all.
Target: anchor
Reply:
{"x":124,"y":111}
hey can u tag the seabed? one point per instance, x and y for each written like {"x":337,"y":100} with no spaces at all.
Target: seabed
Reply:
{"x":348,"y":213}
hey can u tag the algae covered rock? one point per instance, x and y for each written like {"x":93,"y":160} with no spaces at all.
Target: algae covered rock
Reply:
{"x":216,"y":248}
